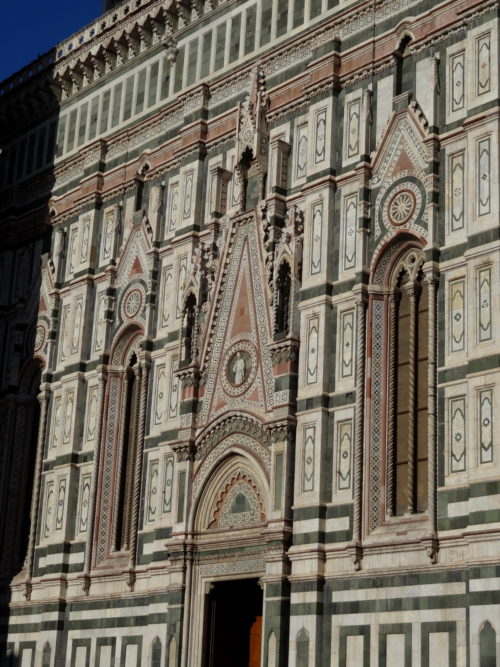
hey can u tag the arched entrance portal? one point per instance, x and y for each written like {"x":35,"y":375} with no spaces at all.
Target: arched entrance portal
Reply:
{"x":229,"y":519}
{"x":233,"y":626}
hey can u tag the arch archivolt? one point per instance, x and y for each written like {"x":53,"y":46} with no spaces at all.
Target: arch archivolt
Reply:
{"x":238,"y":465}
{"x":126,"y":342}
{"x":389,"y":251}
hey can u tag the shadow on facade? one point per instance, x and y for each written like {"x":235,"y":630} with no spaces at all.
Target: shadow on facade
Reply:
{"x":29,"y":109}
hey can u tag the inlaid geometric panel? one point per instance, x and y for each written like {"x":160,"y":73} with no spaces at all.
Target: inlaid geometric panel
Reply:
{"x":312,"y":350}
{"x":457,"y":191}
{"x":61,"y":503}
{"x":48,"y":520}
{"x":92,"y":410}
{"x":350,"y":217}
{"x":173,"y":402}
{"x":84,"y":503}
{"x":181,"y":277}
{"x":457,"y":315}
{"x":457,"y":81}
{"x":167,"y":291}
{"x":69,"y":403}
{"x":84,"y":239}
{"x":188,"y":195}
{"x":483,"y":64}
{"x":301,"y":151}
{"x":308,"y":458}
{"x":484,"y":305}
{"x":485,"y":405}
{"x":107,"y":236}
{"x":483,"y":158}
{"x":347,"y":343}
{"x":65,"y":333}
{"x":160,"y":395}
{"x":344,"y":455}
{"x":353,"y":128}
{"x":73,"y":251}
{"x":377,"y":364}
{"x":172,"y":206}
{"x":316,"y":238}
{"x":56,"y":421}
{"x":320,"y":136}
{"x":77,"y":325}
{"x":457,"y":425}
{"x":168,"y":480}
{"x":153,"y":490}
{"x":100,"y":321}
{"x":68,"y":416}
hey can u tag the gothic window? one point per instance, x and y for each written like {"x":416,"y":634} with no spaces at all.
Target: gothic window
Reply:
{"x":46,"y":655}
{"x":156,"y":653}
{"x":407,"y":386}
{"x":189,"y":329}
{"x":139,"y":192}
{"x":403,"y":66}
{"x":302,"y":649}
{"x":283,"y":298}
{"x":128,"y":456}
{"x":487,"y":646}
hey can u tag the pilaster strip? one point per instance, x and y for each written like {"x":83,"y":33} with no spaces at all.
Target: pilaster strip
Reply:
{"x":43,"y":398}
{"x":93,"y":488}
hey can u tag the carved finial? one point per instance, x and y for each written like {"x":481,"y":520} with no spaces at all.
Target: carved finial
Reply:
{"x":170,"y":44}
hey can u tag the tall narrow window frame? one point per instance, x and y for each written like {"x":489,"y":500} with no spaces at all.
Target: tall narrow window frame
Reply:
{"x":380,"y":382}
{"x":407,"y":386}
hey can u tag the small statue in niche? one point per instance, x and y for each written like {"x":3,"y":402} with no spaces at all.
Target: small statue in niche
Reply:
{"x":238,"y":368}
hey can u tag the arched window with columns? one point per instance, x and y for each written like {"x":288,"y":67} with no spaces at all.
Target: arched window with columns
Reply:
{"x":127,"y":455}
{"x":407,"y":386}
{"x":123,"y":442}
{"x":401,"y":391}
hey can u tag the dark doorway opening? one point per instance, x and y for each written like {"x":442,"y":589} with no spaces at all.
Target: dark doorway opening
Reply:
{"x":234,"y":624}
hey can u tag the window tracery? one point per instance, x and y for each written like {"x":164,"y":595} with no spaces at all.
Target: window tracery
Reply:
{"x":401,"y":383}
{"x":127,"y":463}
{"x":407,"y":387}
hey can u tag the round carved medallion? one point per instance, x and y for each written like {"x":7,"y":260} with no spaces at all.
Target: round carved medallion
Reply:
{"x":402,"y":204}
{"x":240,"y":366}
{"x":401,"y":207}
{"x":133,"y":302}
{"x":39,"y":337}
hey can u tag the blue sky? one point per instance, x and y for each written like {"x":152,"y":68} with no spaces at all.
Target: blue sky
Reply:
{"x":29,"y":28}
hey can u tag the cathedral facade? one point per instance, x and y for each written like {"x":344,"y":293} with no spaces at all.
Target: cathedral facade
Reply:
{"x":249,"y":348}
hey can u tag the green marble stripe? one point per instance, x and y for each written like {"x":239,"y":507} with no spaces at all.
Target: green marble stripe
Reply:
{"x":309,"y":538}
{"x":315,"y":586}
{"x":439,"y":626}
{"x":131,"y":641}
{"x":312,"y":512}
{"x":312,"y":403}
{"x":307,"y":609}
{"x":406,"y":603}
{"x":488,"y":363}
{"x":350,"y":631}
{"x":394,"y":629}
{"x":392,"y":580}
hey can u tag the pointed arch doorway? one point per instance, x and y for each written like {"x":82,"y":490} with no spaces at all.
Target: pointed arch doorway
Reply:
{"x":229,"y":520}
{"x":233,"y":628}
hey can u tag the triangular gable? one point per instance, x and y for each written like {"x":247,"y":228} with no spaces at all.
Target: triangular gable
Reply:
{"x":401,"y":149}
{"x":236,"y":358}
{"x":134,"y":260}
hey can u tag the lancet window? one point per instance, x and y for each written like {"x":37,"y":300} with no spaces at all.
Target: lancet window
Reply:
{"x":407,"y":382}
{"x":128,"y":456}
